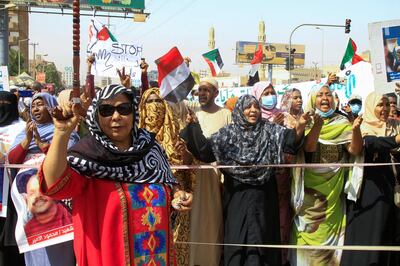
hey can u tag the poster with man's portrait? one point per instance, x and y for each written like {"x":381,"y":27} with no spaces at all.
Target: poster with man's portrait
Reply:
{"x":391,"y":46}
{"x":384,"y":42}
{"x":42,"y":221}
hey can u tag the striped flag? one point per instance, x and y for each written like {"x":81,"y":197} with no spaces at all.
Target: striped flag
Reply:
{"x":350,"y":57}
{"x":214,"y":61}
{"x":257,"y":59}
{"x":174,"y":76}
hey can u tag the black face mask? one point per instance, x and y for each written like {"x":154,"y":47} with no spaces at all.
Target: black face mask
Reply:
{"x":8,"y":108}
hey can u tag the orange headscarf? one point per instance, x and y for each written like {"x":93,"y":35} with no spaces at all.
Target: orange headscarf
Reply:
{"x":230,"y":103}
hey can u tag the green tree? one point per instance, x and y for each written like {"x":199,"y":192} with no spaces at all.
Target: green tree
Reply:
{"x":52,"y":75}
{"x":13,"y":63}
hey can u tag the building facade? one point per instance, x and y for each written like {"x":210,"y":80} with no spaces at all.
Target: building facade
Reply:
{"x":18,"y":33}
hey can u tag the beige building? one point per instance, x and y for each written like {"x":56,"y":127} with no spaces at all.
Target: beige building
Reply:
{"x":18,"y":30}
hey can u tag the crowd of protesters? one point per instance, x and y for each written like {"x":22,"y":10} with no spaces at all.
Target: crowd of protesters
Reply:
{"x":130,"y":208}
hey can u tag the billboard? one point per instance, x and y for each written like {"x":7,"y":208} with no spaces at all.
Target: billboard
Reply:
{"x":274,"y":53}
{"x":384,"y":39}
{"x":109,"y":5}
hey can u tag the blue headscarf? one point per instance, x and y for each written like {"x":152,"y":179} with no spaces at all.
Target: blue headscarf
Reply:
{"x":46,"y":131}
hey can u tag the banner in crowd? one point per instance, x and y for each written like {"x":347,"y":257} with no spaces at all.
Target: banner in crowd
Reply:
{"x":7,"y":136}
{"x":357,"y":79}
{"x":42,"y":221}
{"x":4,"y":82}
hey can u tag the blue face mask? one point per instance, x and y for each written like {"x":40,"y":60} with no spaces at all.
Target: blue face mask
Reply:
{"x":325,"y":114}
{"x":269,"y":102}
{"x":355,"y":108}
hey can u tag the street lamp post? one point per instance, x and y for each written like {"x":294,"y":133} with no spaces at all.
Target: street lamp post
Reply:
{"x":34,"y":59}
{"x":322,"y":49}
{"x":43,"y":62}
{"x":308,"y":25}
{"x":19,"y":54}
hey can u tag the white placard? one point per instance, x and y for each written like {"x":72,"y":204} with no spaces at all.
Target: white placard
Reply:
{"x":4,"y":82}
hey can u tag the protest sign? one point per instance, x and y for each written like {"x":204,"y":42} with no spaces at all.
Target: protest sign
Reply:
{"x":4,"y":82}
{"x":112,"y":56}
{"x":42,"y":221}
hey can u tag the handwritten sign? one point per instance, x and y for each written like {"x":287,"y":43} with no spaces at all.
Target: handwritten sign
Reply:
{"x":111,"y":56}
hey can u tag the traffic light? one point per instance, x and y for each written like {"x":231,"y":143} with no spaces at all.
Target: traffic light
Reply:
{"x":292,"y":58}
{"x":291,"y":65}
{"x":347,"y":26}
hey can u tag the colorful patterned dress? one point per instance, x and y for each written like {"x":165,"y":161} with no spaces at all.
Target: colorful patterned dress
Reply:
{"x":158,"y":117}
{"x":116,"y":223}
{"x":320,"y":213}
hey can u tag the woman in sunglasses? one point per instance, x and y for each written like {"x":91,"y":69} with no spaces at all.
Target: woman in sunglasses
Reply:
{"x":120,"y":182}
{"x":157,"y":117}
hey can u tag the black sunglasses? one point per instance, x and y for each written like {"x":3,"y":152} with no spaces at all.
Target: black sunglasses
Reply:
{"x":108,"y":109}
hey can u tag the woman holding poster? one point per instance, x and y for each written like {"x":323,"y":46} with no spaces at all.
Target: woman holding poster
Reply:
{"x":36,"y":225}
{"x":9,"y":123}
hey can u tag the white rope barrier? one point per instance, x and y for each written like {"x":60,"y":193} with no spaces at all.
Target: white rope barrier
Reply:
{"x":209,"y":166}
{"x":312,"y":165}
{"x":353,"y":248}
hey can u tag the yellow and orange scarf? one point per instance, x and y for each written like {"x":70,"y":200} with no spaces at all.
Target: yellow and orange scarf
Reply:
{"x":158,"y":118}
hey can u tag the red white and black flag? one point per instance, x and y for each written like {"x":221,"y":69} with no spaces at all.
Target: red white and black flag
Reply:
{"x":257,"y":59}
{"x":174,"y":76}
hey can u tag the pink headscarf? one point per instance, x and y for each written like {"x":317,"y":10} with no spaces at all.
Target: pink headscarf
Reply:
{"x":258,"y":89}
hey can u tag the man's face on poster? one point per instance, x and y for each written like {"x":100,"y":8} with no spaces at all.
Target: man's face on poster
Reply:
{"x":37,"y":203}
